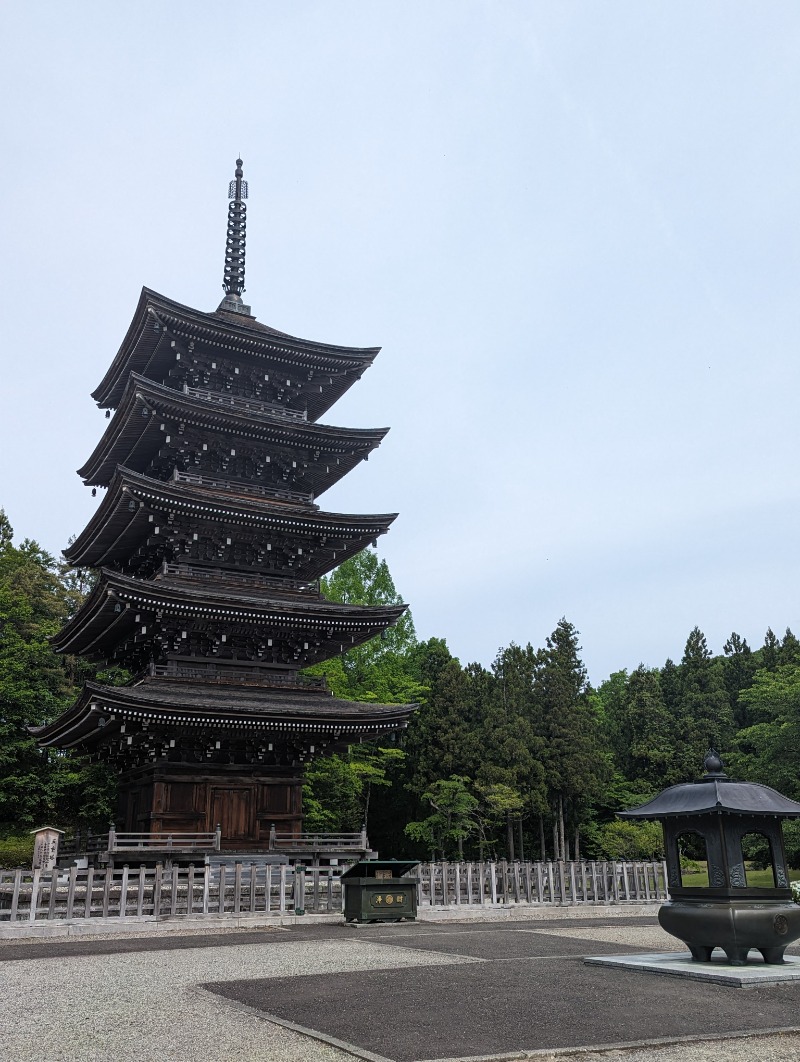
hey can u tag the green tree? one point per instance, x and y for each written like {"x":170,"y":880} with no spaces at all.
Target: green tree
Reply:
{"x":770,"y":651}
{"x":35,"y":686}
{"x":650,"y":731}
{"x":454,"y":818}
{"x":738,"y":668}
{"x":631,"y":840}
{"x":577,"y":762}
{"x":769,"y":750}
{"x":705,"y":718}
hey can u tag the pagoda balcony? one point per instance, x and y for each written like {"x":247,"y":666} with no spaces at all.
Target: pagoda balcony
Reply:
{"x":252,"y":676}
{"x":236,"y":487}
{"x":243,"y":577}
{"x":250,"y":405}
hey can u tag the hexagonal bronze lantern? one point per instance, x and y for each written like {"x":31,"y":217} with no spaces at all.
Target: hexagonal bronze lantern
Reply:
{"x":717,"y":814}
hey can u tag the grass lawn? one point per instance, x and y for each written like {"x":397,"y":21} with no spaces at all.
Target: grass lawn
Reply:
{"x":757,"y":879}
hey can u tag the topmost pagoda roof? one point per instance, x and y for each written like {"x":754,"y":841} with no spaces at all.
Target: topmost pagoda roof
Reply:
{"x":160,"y":324}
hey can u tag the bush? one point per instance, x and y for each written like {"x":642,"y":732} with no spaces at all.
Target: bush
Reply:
{"x":16,"y":852}
{"x":631,"y":840}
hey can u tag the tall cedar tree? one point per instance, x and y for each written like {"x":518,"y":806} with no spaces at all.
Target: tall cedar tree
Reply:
{"x":576,"y":764}
{"x":738,"y":669}
{"x":705,"y":717}
{"x":650,"y":731}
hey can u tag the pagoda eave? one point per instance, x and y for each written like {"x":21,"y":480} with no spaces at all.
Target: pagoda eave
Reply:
{"x":137,"y":432}
{"x":100,"y":711}
{"x":122,"y":521}
{"x":157,"y":318}
{"x":112,"y":610}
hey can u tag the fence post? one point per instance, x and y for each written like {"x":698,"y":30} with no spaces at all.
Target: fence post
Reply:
{"x":15,"y":894}
{"x":493,"y":880}
{"x":218,"y":838}
{"x":190,"y":890}
{"x":562,"y":885}
{"x":107,"y":883}
{"x":206,"y":887}
{"x":123,"y":893}
{"x":34,"y":895}
{"x":112,"y":837}
{"x":87,"y":904}
{"x":300,"y":890}
{"x":253,"y":878}
{"x":237,"y":887}
{"x":157,"y":891}
{"x":221,"y":904}
{"x":140,"y":891}
{"x":282,"y":890}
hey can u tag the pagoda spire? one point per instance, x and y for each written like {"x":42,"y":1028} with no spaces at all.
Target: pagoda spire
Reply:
{"x":233,"y":277}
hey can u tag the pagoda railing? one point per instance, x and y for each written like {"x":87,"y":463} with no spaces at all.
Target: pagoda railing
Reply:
{"x":248,"y":404}
{"x":238,"y":675}
{"x":319,"y":843}
{"x":250,"y":578}
{"x":236,"y":486}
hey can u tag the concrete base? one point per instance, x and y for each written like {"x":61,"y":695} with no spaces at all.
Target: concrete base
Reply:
{"x":531,"y":912}
{"x":718,"y":971}
{"x":210,"y":923}
{"x":148,"y":926}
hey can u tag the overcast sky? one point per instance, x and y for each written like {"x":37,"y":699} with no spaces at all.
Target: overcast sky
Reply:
{"x":572,"y":227}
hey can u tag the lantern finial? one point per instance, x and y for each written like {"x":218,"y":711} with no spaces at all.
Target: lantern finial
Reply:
{"x":714,"y":766}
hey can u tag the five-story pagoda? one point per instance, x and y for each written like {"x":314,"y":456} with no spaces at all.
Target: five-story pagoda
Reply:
{"x":209,"y":545}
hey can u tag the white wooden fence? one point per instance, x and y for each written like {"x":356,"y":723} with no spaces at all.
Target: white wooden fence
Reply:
{"x":258,"y":889}
{"x":542,"y":883}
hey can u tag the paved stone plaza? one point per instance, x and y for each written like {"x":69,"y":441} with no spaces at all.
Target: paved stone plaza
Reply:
{"x":403,"y":993}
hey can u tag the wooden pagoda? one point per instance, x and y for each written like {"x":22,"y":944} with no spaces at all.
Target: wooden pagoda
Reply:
{"x":208,"y":546}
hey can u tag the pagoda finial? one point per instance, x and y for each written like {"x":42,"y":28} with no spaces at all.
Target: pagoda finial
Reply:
{"x":233,"y":278}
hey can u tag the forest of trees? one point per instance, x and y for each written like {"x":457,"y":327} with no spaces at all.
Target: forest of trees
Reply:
{"x":524,"y":759}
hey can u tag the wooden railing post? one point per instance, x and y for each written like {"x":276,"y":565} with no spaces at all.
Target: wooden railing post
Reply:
{"x":112,"y":837}
{"x":157,"y":891}
{"x":272,"y":837}
{"x":218,"y":838}
{"x":300,"y":890}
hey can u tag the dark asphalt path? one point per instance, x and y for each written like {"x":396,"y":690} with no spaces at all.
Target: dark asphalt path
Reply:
{"x":530,"y":990}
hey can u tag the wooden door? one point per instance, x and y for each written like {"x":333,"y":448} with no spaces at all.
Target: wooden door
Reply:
{"x":233,"y":808}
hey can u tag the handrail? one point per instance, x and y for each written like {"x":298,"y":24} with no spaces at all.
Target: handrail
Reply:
{"x":249,"y":404}
{"x":318,"y":841}
{"x":163,"y":841}
{"x":247,"y":577}
{"x":244,"y":488}
{"x":236,"y":675}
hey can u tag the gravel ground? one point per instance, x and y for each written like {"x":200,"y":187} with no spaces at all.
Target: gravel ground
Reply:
{"x":145,"y":1006}
{"x":784,"y":1047}
{"x":142,"y":1006}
